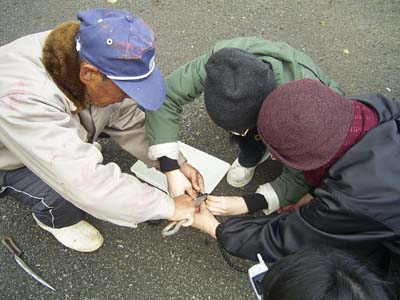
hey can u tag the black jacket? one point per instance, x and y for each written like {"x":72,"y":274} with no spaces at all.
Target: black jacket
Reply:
{"x":356,"y":207}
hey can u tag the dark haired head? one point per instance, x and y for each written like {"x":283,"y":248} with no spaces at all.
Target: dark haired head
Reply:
{"x":322,"y":274}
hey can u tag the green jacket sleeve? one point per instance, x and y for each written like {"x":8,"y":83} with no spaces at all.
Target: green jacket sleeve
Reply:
{"x":186,"y":83}
{"x":183,"y":86}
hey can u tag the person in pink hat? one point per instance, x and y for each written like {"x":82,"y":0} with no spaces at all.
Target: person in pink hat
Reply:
{"x":348,"y":149}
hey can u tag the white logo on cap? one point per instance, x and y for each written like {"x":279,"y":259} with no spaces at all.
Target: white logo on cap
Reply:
{"x":78,"y":45}
{"x":152,"y":65}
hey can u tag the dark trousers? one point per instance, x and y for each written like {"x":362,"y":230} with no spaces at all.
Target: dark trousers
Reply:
{"x":48,"y":206}
{"x":251,"y":149}
{"x":290,"y":186}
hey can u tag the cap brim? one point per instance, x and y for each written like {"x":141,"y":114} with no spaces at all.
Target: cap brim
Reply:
{"x":149,"y":92}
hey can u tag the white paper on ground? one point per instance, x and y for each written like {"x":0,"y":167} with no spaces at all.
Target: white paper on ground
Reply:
{"x":212,"y":168}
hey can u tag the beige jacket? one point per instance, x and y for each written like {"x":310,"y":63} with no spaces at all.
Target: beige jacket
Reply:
{"x":39,"y":130}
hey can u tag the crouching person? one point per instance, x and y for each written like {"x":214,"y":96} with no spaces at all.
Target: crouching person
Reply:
{"x":58,"y":91}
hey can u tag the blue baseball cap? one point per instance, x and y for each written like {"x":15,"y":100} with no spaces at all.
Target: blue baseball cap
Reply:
{"x":122,"y":47}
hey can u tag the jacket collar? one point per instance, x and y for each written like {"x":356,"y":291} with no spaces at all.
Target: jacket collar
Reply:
{"x":387,"y":109}
{"x":62,"y":63}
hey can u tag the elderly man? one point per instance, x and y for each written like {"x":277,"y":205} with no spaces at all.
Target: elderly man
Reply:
{"x":58,"y":91}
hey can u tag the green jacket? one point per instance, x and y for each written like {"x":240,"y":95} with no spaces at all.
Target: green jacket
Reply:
{"x":187,"y":82}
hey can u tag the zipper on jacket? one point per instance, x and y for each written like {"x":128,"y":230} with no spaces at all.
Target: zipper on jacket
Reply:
{"x":92,"y":138}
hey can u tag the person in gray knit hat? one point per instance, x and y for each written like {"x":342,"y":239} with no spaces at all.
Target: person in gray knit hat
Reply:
{"x":236,"y":75}
{"x":235,"y":88}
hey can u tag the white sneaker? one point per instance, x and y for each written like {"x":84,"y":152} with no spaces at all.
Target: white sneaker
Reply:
{"x":82,"y":236}
{"x":239,"y":176}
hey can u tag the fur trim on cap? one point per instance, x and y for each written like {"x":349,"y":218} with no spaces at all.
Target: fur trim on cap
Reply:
{"x":62,"y":63}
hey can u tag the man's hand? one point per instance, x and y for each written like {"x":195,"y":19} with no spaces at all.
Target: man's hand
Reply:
{"x":225,"y":206}
{"x":178,"y":184}
{"x":185,"y":180}
{"x":184,"y":209}
{"x":205,"y":221}
{"x":291,"y":207}
{"x":194,"y":176}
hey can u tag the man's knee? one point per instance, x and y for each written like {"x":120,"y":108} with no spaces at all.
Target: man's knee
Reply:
{"x":47,"y":205}
{"x":56,"y":212}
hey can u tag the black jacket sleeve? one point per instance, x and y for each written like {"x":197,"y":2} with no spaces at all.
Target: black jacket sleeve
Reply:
{"x":321,"y":222}
{"x":356,"y":208}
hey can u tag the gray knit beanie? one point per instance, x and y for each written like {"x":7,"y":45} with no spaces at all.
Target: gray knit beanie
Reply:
{"x":237,"y":83}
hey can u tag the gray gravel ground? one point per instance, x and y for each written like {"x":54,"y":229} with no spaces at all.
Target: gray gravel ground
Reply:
{"x":137,"y":263}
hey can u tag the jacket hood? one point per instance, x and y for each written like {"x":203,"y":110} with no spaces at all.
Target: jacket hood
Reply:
{"x":387,"y":109}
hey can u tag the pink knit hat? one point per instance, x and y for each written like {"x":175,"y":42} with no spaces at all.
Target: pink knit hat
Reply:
{"x":304,"y":123}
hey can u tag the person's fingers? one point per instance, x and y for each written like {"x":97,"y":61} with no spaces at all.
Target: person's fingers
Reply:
{"x":173,"y":193}
{"x":191,"y":192}
{"x":177,"y":183}
{"x":199,"y":208}
{"x":194,"y":181}
{"x":213,"y":205}
{"x":203,"y":206}
{"x":200,"y":182}
{"x":287,"y":208}
{"x":215,"y":210}
{"x":214,"y":199}
{"x":219,"y":202}
{"x":176,"y":191}
{"x":188,"y":222}
{"x":281,"y":210}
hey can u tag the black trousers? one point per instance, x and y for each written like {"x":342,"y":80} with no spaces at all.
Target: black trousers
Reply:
{"x":48,"y":206}
{"x":251,"y":148}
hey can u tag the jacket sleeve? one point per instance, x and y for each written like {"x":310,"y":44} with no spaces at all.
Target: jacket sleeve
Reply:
{"x":127,"y":128}
{"x":45,"y":138}
{"x":184,"y":85}
{"x":327,"y":81}
{"x":321,"y":222}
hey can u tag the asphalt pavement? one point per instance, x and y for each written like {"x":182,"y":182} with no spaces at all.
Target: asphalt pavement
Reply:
{"x":356,"y":42}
